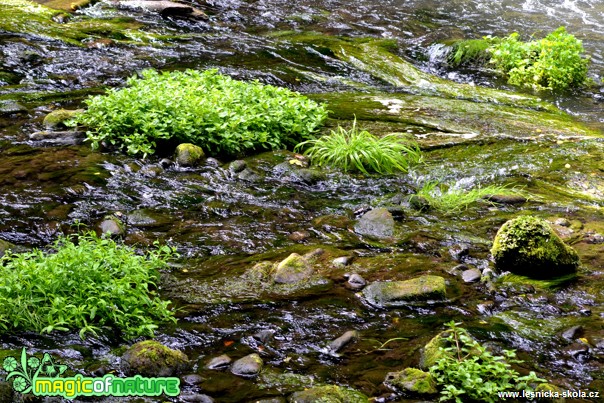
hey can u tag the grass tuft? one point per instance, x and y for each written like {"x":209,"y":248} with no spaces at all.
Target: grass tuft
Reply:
{"x":358,"y":150}
{"x":444,"y":198}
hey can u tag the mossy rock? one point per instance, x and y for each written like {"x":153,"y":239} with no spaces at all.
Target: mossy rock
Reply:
{"x":433,"y":351}
{"x":188,"y":155}
{"x":528,"y":246}
{"x":292,"y":269}
{"x":377,"y":223}
{"x":58,"y":119}
{"x":153,"y":359}
{"x":395,"y":293}
{"x":412,"y":380}
{"x":328,"y":394}
{"x":547,"y":389}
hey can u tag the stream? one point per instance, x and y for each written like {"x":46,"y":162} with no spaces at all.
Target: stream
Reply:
{"x":473,"y":131}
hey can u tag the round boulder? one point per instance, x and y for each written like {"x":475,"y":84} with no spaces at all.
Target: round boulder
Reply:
{"x":528,"y":246}
{"x":188,"y":155}
{"x":151,"y":358}
{"x":377,"y":223}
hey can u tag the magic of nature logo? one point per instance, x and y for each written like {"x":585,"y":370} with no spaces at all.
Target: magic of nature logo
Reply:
{"x":42,"y":377}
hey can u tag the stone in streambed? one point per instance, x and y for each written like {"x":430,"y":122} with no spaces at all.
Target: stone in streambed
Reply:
{"x":112,"y":225}
{"x":377,"y":223}
{"x":412,"y":380}
{"x":292,"y":269}
{"x":343,"y":340}
{"x":220,"y":362}
{"x":250,"y":365}
{"x":188,"y":155}
{"x":328,"y":394}
{"x":59,"y":118}
{"x":471,"y":275}
{"x":151,"y":358}
{"x":395,"y":293}
{"x":528,"y":246}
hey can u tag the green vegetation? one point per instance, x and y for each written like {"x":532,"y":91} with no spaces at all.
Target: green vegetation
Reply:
{"x":442,"y":197}
{"x":89,"y":282}
{"x":554,"y":62}
{"x":213,"y":111}
{"x":359,"y":150}
{"x":467,"y":371}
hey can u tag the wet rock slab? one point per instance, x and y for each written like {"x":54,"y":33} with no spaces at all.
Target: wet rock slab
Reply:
{"x":426,"y":289}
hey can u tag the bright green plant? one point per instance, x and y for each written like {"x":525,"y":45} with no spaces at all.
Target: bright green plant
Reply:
{"x":88,"y":283}
{"x":468,"y":372}
{"x":359,"y":150}
{"x":555,"y":62}
{"x":213,"y":111}
{"x":444,"y":198}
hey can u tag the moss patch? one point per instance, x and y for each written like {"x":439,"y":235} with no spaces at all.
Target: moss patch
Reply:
{"x":528,"y":246}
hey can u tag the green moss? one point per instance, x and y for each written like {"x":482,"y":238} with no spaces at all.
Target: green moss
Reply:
{"x":25,"y":16}
{"x":151,"y":358}
{"x":548,"y":284}
{"x":188,"y":154}
{"x":528,"y":246}
{"x":394,"y":293}
{"x":433,"y":351}
{"x":329,"y":394}
{"x":292,"y":269}
{"x":59,"y":118}
{"x":469,"y":51}
{"x":413,"y":380}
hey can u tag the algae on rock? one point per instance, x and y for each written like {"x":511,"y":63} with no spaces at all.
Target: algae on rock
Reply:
{"x":528,"y":246}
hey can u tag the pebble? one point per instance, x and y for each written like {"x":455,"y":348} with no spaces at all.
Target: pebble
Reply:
{"x":563,"y":222}
{"x":250,"y":365}
{"x":219,"y":362}
{"x":471,"y":275}
{"x":343,"y":260}
{"x":343,"y":340}
{"x":356,"y":282}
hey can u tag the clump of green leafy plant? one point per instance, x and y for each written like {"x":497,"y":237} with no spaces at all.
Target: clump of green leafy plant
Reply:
{"x":88,"y":283}
{"x":213,"y":111}
{"x":443,"y":197}
{"x":467,"y":371}
{"x":359,"y":150}
{"x":555,"y":62}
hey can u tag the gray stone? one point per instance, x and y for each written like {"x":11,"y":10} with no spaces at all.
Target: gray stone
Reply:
{"x":563,"y":222}
{"x":343,"y":340}
{"x":395,"y":293}
{"x":163,"y":7}
{"x":377,"y":223}
{"x":237,"y":166}
{"x":356,"y":282}
{"x":112,"y":225}
{"x":220,"y":362}
{"x":506,"y":199}
{"x":572,"y":333}
{"x":195,"y":398}
{"x":250,"y":365}
{"x":471,"y":275}
{"x":248,"y":175}
{"x":292,"y":269}
{"x":343,"y":260}
{"x":10,"y":107}
{"x":192,"y":379}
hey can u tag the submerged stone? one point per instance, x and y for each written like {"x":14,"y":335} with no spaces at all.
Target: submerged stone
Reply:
{"x":395,"y":293}
{"x":528,"y":246}
{"x":188,"y":155}
{"x":342,"y":341}
{"x":328,"y":394}
{"x":377,"y":223}
{"x":292,"y":269}
{"x":151,"y":358}
{"x":412,"y":380}
{"x":220,"y":362}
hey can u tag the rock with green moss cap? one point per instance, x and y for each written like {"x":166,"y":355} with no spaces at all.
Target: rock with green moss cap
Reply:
{"x":59,"y":119}
{"x":433,"y":350}
{"x":328,"y":394}
{"x":549,"y":393}
{"x":292,"y":269}
{"x":188,"y":155}
{"x":427,"y":288}
{"x":528,"y":246}
{"x":412,"y":380}
{"x":112,"y":225}
{"x":151,"y":358}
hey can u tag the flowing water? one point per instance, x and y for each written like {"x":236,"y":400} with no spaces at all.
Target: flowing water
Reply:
{"x":223,"y":223}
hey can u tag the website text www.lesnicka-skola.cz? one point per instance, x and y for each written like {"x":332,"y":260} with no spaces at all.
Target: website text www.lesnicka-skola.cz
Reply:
{"x":549,"y":394}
